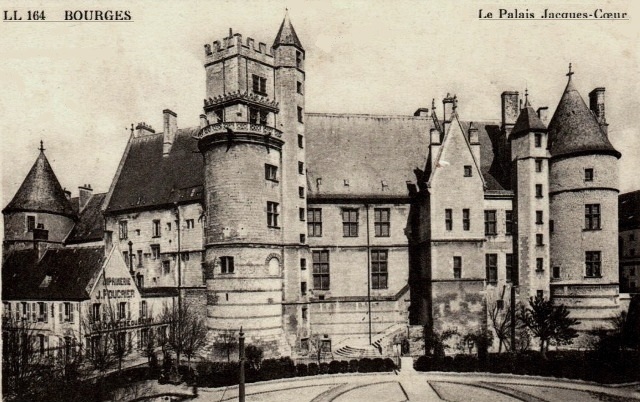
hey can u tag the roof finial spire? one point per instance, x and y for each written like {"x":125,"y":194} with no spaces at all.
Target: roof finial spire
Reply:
{"x":570,"y":73}
{"x":455,"y":102}
{"x":41,"y":146}
{"x":526,"y":97}
{"x":433,"y":103}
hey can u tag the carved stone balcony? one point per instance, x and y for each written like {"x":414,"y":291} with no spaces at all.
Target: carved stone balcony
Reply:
{"x":238,"y":132}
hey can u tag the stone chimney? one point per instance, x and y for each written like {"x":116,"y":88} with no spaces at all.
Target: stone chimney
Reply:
{"x":434,"y":145}
{"x":474,"y":141}
{"x":170,"y":123}
{"x":596,"y":104}
{"x":143,"y":129}
{"x":108,"y":241}
{"x":422,"y":112}
{"x":543,"y":114}
{"x":510,"y":111}
{"x":448,"y":104}
{"x":85,"y":192}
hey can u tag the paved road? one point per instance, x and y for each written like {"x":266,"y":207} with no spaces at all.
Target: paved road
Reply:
{"x":412,"y":386}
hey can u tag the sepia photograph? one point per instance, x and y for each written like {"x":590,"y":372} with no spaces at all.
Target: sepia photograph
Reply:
{"x":304,"y":200}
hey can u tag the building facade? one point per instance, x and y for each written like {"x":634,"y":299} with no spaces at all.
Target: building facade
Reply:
{"x":351,"y":229}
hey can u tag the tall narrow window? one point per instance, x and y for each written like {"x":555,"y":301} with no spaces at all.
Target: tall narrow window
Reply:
{"x":303,"y":264}
{"x":490,"y":226}
{"x":381,"y":221}
{"x":314,"y":222}
{"x":300,"y":115}
{"x":556,"y":272}
{"x":539,"y":239}
{"x":538,"y":140}
{"x":272,"y":214}
{"x":155,"y":228}
{"x":492,"y":268}
{"x":270,"y":172}
{"x":300,"y":167}
{"x":539,"y":191}
{"x":301,"y":192}
{"x":592,"y":216}
{"x":31,"y":223}
{"x":301,"y":213}
{"x":300,"y":141}
{"x":379,"y":272}
{"x":539,"y":264}
{"x":226,"y":265}
{"x":466,"y":219}
{"x":303,"y":288}
{"x":467,"y":170}
{"x":95,"y":312}
{"x":457,"y":267}
{"x":253,"y":115}
{"x":321,"y":269}
{"x":259,"y":84}
{"x":155,"y":251}
{"x":509,"y":267}
{"x":592,"y":262}
{"x":298,"y":59}
{"x":539,"y":218}
{"x":508,"y":221}
{"x":123,"y":230}
{"x":538,"y":165}
{"x":299,"y":87}
{"x":448,"y":219}
{"x":166,"y":267}
{"x":350,"y":222}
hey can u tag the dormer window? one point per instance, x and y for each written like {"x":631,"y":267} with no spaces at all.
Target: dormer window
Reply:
{"x":31,"y":223}
{"x":259,"y":84}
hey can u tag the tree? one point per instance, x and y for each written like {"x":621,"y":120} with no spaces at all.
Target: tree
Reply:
{"x":102,"y":334}
{"x":435,"y":343}
{"x":500,"y":316}
{"x":187,"y":330}
{"x":227,"y":342}
{"x":548,"y":323}
{"x":317,"y":347}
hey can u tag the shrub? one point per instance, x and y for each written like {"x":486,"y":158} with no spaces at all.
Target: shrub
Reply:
{"x":366,"y":366}
{"x":344,"y":366}
{"x":378,"y":364}
{"x":313,"y":368}
{"x":324,"y":368}
{"x":353,"y":366}
{"x":302,"y":370}
{"x":334,"y":367}
{"x":253,"y":354}
{"x":389,"y":364}
{"x":423,"y":363}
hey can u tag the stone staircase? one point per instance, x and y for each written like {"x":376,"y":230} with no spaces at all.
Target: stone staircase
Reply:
{"x":358,"y":348}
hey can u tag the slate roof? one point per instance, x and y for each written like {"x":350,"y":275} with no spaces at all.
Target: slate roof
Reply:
{"x":369,"y":149}
{"x":527,"y":121}
{"x":90,"y":224}
{"x":287,"y":35}
{"x":148,"y":179}
{"x":41,"y":192}
{"x":72,"y":272}
{"x":575,"y":130}
{"x":629,"y":211}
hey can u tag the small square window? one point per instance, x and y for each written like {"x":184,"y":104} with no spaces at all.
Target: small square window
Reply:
{"x":467,"y":171}
{"x":226,"y":265}
{"x":588,"y":174}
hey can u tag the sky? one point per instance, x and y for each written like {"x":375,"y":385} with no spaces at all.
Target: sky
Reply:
{"x":79,"y":86}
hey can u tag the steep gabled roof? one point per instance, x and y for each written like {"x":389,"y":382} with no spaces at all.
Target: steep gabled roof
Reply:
{"x":149,"y":179}
{"x":629,"y":211}
{"x":90,"y":224}
{"x":287,"y":35}
{"x":61,"y":274}
{"x":41,"y":192}
{"x":575,"y":130}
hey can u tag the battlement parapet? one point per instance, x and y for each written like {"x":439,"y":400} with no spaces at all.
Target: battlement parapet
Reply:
{"x":232,"y":45}
{"x":242,"y":97}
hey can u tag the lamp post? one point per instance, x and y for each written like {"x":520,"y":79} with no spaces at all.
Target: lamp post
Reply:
{"x":241,"y":379}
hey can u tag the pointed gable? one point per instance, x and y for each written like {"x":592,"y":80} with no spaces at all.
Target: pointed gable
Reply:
{"x":575,"y":130}
{"x":455,"y":153}
{"x":528,"y":121}
{"x":41,"y":192}
{"x":287,"y":35}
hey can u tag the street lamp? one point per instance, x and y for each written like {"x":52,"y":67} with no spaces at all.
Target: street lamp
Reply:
{"x":241,"y":379}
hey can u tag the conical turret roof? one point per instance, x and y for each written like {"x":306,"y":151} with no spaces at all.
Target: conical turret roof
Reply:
{"x":41,"y":192}
{"x":527,"y":121}
{"x":287,"y":35}
{"x":575,"y":130}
